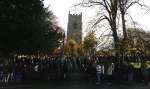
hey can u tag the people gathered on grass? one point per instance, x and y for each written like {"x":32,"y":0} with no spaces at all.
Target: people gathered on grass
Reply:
{"x":96,"y":69}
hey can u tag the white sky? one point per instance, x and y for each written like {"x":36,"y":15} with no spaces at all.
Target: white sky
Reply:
{"x":61,"y":8}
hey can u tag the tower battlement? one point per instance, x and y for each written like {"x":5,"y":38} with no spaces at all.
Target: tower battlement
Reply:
{"x":75,"y":14}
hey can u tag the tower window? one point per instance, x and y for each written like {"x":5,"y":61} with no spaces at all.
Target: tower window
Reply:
{"x":75,"y":25}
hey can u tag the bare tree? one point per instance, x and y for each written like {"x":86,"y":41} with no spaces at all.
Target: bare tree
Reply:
{"x":110,"y":8}
{"x":124,"y":5}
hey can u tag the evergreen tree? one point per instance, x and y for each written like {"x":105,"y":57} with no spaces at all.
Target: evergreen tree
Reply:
{"x":27,"y":26}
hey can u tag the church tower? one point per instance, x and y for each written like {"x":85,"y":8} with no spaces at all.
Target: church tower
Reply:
{"x":74,"y":29}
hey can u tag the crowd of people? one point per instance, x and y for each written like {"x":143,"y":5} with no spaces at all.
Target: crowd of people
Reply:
{"x":96,"y":69}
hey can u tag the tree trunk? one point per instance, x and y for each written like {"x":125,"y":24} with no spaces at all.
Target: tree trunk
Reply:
{"x":124,"y":26}
{"x":115,"y":36}
{"x":122,"y":10}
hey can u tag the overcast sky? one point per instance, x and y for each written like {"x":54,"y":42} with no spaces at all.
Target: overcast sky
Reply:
{"x":61,"y":8}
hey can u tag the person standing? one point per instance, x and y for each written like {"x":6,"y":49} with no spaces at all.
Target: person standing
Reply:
{"x":110,"y":71}
{"x":145,"y":73}
{"x":130,"y":73}
{"x":98,"y":74}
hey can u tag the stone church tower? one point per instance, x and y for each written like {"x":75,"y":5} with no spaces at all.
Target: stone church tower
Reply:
{"x":74,"y":29}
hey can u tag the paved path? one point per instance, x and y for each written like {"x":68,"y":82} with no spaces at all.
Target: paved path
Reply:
{"x":74,"y":83}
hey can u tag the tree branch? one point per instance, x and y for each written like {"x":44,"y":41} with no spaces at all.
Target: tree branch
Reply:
{"x":100,"y":19}
{"x":132,"y":3}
